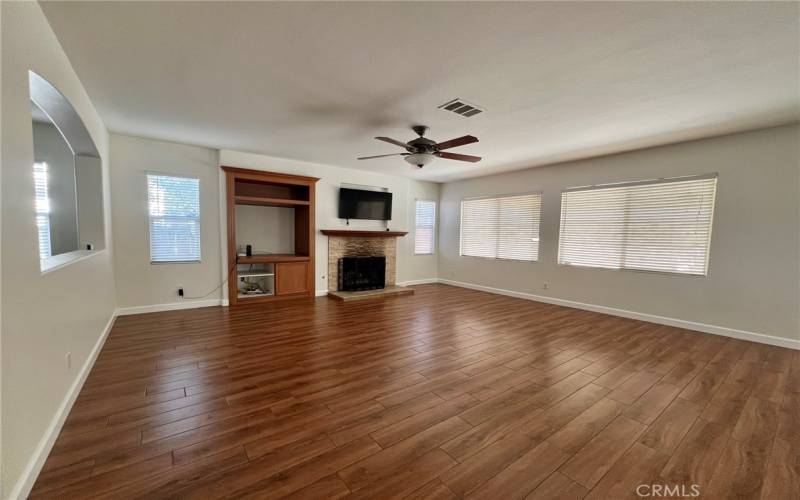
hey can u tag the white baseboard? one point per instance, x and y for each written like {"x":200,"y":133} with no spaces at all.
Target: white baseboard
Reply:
{"x":662,"y":320}
{"x":418,"y":282}
{"x":321,"y":293}
{"x":28,"y":477}
{"x":186,"y":304}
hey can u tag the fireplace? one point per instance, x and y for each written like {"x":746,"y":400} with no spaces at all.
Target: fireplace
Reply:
{"x":362,"y":263}
{"x":340,"y":247}
{"x":361,"y":273}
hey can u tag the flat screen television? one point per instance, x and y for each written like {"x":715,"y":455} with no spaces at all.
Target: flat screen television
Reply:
{"x":362,"y":204}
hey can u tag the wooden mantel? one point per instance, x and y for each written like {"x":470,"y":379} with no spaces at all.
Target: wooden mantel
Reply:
{"x":357,"y":233}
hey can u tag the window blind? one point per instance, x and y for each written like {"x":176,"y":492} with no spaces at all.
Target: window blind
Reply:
{"x":660,"y":225}
{"x":425,"y":227}
{"x":174,"y":209}
{"x":501,"y":228}
{"x":42,"y":201}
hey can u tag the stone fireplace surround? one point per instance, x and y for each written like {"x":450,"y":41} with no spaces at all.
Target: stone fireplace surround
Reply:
{"x":361,"y":246}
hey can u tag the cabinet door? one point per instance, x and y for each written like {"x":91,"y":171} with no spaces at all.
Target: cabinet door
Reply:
{"x":291,"y":277}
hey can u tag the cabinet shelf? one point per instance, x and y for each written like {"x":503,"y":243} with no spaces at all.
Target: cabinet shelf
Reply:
{"x":267,"y":258}
{"x":269,"y":202}
{"x":246,"y":296}
{"x":254,"y":274}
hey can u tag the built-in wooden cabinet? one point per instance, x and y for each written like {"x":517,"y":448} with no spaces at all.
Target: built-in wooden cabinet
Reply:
{"x":283,"y":275}
{"x":291,"y":277}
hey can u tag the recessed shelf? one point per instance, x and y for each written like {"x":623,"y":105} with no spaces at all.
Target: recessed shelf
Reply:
{"x":269,"y":202}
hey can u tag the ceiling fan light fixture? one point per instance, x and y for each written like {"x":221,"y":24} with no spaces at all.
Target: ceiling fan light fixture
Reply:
{"x":420,"y":159}
{"x":423,"y":151}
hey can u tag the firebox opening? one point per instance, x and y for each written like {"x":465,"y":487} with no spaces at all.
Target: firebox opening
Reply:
{"x":361,"y":273}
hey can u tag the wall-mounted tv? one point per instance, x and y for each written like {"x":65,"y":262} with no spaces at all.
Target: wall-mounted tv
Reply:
{"x":363,"y":204}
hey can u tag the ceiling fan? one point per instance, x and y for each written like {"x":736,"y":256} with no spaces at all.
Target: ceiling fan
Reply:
{"x":422,"y":151}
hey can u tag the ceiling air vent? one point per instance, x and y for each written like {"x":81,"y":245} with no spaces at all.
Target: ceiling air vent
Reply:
{"x":460,"y":107}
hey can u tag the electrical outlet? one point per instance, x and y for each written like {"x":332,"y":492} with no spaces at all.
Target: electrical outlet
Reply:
{"x":180,"y":292}
{"x":68,"y":359}
{"x":545,"y":285}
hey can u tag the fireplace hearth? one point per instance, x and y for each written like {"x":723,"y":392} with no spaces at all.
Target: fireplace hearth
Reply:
{"x":361,"y":273}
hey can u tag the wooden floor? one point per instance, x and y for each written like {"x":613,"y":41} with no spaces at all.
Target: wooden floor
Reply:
{"x":447,"y":393}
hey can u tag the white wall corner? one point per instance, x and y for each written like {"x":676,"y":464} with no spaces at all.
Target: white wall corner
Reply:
{"x":760,"y":338}
{"x":31,"y":472}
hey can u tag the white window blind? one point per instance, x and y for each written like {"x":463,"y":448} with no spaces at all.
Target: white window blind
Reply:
{"x":42,"y":208}
{"x":425,"y":228}
{"x":174,"y":208}
{"x":501,"y":228}
{"x":660,"y":225}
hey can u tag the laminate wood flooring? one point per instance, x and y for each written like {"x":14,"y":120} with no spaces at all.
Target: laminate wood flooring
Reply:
{"x":450,"y":393}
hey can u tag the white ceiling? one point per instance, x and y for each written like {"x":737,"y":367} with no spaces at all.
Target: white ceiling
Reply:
{"x":316,"y":81}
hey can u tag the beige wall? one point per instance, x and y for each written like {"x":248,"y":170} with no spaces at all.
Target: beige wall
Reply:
{"x":404,"y":190}
{"x":44,"y":315}
{"x":140,"y":283}
{"x":418,"y":267}
{"x":753,"y":282}
{"x":91,"y":215}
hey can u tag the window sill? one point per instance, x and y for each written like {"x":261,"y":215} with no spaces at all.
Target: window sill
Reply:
{"x":497,"y":259}
{"x":166,"y":262}
{"x":634,"y":270}
{"x":56,"y":262}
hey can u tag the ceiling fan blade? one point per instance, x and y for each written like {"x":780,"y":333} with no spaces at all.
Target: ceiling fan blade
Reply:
{"x":455,"y":156}
{"x":392,"y":141}
{"x":380,"y":156}
{"x":452,"y":143}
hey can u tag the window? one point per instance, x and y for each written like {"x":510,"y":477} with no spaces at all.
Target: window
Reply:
{"x":662,"y":225}
{"x":174,"y":208}
{"x":42,"y":209}
{"x":425,"y":228}
{"x":501,"y":228}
